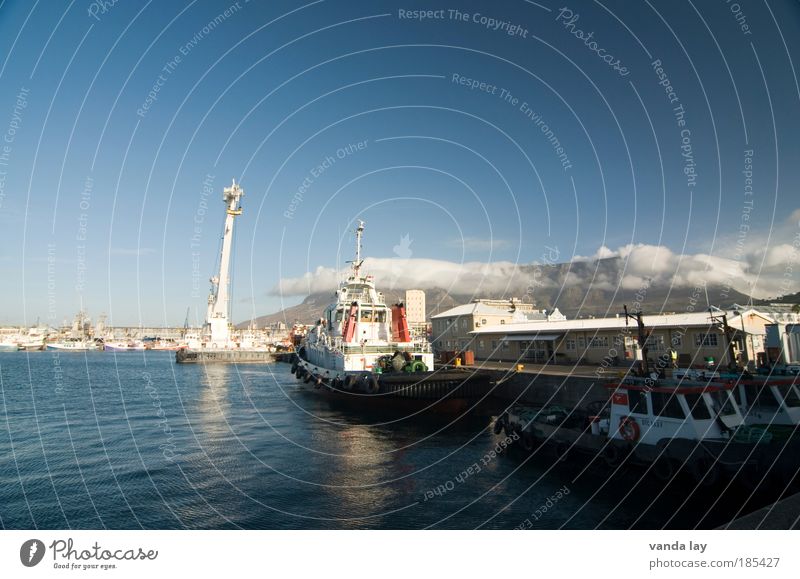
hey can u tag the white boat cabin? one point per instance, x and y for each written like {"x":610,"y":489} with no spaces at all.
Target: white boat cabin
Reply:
{"x":768,"y":402}
{"x":691,"y":410}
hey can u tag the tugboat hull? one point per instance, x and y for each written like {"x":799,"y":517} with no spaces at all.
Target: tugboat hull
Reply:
{"x":441,"y":391}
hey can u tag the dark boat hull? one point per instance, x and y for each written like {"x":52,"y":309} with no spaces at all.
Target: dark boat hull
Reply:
{"x":441,"y":392}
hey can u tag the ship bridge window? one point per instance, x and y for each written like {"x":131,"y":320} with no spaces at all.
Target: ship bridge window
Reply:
{"x":789,"y":395}
{"x":380,"y":316}
{"x":760,"y":396}
{"x":339,"y":313}
{"x":697,"y":406}
{"x":366,"y":315}
{"x":637,"y":401}
{"x":666,"y":405}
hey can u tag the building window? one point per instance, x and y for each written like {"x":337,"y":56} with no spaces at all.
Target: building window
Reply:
{"x":655,"y":343}
{"x":570,"y":343}
{"x":502,"y":321}
{"x":581,"y":343}
{"x":480,"y":344}
{"x":598,"y":342}
{"x":705,"y":340}
{"x":505,"y":345}
{"x":494,"y":345}
{"x":464,"y":323}
{"x":677,"y":340}
{"x":483,"y":321}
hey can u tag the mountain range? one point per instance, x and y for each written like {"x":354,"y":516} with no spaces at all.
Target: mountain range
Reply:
{"x":577,"y":289}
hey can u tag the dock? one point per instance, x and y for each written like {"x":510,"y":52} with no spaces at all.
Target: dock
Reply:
{"x":186,"y":356}
{"x":782,"y":515}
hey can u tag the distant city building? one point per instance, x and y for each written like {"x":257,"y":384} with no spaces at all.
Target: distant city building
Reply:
{"x":415,"y":306}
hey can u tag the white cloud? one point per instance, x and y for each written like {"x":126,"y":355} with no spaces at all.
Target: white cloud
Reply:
{"x":635,"y":265}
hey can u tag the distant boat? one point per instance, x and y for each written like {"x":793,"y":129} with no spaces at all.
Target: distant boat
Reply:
{"x":123,"y":346}
{"x":9,"y":346}
{"x":32,"y":345}
{"x":164,"y":345}
{"x":72,"y":345}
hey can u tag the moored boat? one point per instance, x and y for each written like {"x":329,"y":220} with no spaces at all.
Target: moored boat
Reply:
{"x":72,"y":345}
{"x":670,"y":427}
{"x":131,"y":346}
{"x":361,"y":352}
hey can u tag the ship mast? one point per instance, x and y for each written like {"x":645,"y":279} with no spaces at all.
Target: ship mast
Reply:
{"x":217,"y":317}
{"x":357,"y":262}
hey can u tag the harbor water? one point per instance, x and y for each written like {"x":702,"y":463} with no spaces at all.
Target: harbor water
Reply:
{"x":129,"y":441}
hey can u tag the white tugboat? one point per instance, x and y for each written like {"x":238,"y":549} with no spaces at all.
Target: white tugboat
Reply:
{"x":218,"y":341}
{"x":361,"y":350}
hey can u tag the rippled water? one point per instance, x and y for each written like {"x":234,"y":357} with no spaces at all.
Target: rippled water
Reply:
{"x":94,"y":440}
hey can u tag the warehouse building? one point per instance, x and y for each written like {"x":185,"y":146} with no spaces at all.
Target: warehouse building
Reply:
{"x":452,"y":330}
{"x":695,"y":337}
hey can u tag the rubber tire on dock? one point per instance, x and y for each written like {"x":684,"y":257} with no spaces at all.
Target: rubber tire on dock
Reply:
{"x":499,"y":424}
{"x":371,"y":385}
{"x":562,"y":451}
{"x":663,"y":469}
{"x":704,"y":472}
{"x":612,"y":455}
{"x":527,"y":441}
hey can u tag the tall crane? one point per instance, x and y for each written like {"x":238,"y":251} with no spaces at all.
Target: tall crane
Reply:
{"x":217,"y":324}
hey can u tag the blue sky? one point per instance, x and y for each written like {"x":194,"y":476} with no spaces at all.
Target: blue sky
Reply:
{"x":104,"y":185}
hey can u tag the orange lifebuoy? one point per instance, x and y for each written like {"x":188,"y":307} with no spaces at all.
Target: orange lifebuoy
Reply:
{"x":629,"y":428}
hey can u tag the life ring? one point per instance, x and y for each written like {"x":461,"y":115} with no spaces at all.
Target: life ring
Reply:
{"x":629,"y":429}
{"x":419,"y":366}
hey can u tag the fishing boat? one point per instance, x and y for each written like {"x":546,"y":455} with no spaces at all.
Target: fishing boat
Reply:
{"x":361,"y":352}
{"x":163,"y":345}
{"x":767,"y":401}
{"x":129,"y":346}
{"x":9,"y":346}
{"x":668,"y":426}
{"x":72,"y":345}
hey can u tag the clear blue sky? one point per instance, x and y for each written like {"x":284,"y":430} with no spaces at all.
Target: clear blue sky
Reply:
{"x":104,"y":185}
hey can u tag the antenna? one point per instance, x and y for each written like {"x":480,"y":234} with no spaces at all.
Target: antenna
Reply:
{"x":358,"y":261}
